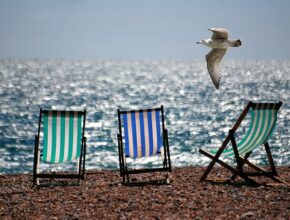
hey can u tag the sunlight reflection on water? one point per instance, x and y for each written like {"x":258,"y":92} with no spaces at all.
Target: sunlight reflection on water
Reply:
{"x":197,"y":115}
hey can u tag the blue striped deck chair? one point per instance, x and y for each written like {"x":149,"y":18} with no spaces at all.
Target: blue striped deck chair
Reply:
{"x":142,"y":134}
{"x":63,"y":140}
{"x":261,"y":127}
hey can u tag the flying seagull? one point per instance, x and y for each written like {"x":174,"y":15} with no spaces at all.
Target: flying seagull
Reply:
{"x":219,"y":43}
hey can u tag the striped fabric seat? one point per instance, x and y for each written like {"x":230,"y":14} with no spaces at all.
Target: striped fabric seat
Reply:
{"x":263,"y":121}
{"x":62,"y":135}
{"x":142,"y":133}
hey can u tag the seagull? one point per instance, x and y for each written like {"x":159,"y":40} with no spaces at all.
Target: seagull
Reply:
{"x":219,"y":43}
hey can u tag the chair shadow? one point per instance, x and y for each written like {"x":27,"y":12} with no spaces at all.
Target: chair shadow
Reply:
{"x":239,"y":184}
{"x":157,"y":182}
{"x":57,"y":184}
{"x":229,"y":182}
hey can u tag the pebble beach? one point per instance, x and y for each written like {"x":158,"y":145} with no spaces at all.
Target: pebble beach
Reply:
{"x":102,"y":195}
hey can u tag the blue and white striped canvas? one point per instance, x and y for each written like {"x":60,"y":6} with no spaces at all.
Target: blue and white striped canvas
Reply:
{"x":142,"y":133}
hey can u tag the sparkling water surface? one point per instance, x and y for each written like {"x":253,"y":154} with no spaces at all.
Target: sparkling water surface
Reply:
{"x":197,"y":115}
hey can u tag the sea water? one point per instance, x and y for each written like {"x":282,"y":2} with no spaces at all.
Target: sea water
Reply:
{"x":197,"y":115}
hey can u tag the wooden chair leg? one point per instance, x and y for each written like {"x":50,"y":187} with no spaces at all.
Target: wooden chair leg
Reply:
{"x":214,"y":159}
{"x":270,"y":158}
{"x":167,"y":150}
{"x":209,"y":167}
{"x":242,"y":163}
{"x":235,"y":148}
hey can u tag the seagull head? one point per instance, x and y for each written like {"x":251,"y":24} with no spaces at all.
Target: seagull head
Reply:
{"x":237,"y":43}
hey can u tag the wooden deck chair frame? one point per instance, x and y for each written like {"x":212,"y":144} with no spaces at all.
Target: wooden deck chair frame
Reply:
{"x":242,"y":160}
{"x":125,"y":171}
{"x":37,"y":154}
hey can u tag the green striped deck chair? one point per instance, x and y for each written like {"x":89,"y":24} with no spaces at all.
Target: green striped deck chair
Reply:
{"x":63,"y":140}
{"x":262,"y":125}
{"x":142,"y":134}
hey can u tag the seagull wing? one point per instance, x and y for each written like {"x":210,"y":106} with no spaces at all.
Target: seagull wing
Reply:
{"x":219,"y":33}
{"x":213,"y":59}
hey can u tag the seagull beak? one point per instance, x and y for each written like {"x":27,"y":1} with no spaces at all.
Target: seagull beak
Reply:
{"x":198,"y":42}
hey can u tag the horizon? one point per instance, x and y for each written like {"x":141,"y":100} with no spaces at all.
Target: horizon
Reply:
{"x":143,"y":30}
{"x":224,"y":60}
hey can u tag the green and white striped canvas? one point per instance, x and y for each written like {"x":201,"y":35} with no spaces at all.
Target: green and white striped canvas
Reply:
{"x":263,"y":122}
{"x":62,"y":135}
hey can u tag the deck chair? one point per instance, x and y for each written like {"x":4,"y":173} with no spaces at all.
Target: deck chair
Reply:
{"x":63,"y":138}
{"x":262,"y":125}
{"x":142,"y":133}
